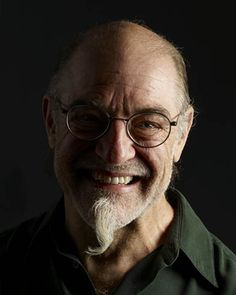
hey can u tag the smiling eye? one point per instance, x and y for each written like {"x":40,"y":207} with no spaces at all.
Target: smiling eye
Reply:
{"x":87,"y":118}
{"x":148,"y":128}
{"x":147,"y":125}
{"x":87,"y":122}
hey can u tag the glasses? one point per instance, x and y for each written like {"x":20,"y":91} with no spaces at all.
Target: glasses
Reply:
{"x":145,"y":129}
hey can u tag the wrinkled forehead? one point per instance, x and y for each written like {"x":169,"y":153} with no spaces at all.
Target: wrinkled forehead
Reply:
{"x":120,"y":65}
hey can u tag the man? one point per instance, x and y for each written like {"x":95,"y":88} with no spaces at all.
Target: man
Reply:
{"x":117,"y":115}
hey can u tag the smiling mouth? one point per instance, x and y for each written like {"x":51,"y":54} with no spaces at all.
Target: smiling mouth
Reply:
{"x":104,"y":178}
{"x":100,"y":177}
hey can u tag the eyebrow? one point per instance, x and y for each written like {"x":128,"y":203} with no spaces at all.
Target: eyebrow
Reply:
{"x":155,"y":109}
{"x":96,"y":102}
{"x":93,"y":101}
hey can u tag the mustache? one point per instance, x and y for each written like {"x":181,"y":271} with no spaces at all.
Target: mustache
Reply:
{"x":134,"y":167}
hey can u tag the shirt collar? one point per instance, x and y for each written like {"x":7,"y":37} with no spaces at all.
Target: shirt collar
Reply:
{"x":193,"y":237}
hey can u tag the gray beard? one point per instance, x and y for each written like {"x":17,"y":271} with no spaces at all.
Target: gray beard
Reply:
{"x":104,"y":225}
{"x":107,"y":221}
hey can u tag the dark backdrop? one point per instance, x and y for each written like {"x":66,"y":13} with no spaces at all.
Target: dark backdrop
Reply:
{"x":32,"y":32}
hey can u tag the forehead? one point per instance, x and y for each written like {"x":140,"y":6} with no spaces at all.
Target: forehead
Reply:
{"x":121,"y":81}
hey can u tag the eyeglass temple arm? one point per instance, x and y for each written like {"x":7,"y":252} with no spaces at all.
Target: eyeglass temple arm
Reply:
{"x":174,"y":123}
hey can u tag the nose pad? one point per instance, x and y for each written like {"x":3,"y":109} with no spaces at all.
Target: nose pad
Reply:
{"x":115,"y":146}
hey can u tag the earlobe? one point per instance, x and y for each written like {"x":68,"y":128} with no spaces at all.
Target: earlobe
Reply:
{"x":49,"y":121}
{"x":187,"y":124}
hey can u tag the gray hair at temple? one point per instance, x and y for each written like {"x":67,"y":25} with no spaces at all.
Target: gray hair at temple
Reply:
{"x":96,"y":36}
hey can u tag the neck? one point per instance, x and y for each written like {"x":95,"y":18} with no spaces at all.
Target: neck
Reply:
{"x":130,"y":245}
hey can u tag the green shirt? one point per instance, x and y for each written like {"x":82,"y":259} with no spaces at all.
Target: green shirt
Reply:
{"x":38,"y":258}
{"x":192,"y":261}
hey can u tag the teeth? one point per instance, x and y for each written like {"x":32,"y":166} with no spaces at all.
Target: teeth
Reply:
{"x":112,"y":180}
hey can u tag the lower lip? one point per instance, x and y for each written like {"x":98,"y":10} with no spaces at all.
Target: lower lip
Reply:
{"x":117,"y":187}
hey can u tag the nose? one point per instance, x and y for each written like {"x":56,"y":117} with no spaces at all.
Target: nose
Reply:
{"x":115,"y":146}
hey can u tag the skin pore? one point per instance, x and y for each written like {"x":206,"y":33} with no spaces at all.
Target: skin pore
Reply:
{"x":121,"y":222}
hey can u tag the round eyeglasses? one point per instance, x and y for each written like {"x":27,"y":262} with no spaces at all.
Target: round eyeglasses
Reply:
{"x":145,"y":129}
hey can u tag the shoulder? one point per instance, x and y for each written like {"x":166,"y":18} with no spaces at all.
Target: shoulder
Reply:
{"x":221,"y":265}
{"x":17,"y":238}
{"x":222,"y":251}
{"x":225,"y":265}
{"x":207,"y":253}
{"x":17,"y":253}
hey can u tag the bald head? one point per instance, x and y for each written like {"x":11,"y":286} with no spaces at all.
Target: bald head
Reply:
{"x":122,"y":42}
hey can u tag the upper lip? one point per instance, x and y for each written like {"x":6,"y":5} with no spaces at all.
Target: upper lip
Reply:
{"x":133,"y":169}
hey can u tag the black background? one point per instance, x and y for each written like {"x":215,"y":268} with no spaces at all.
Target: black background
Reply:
{"x":32,"y":32}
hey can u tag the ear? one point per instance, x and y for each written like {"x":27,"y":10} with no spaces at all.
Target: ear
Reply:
{"x":49,"y":121}
{"x":181,"y":140}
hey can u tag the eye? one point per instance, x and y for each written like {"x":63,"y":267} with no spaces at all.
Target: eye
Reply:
{"x":87,"y":122}
{"x":147,"y":125}
{"x":89,"y":117}
{"x":147,"y":122}
{"x":82,"y":115}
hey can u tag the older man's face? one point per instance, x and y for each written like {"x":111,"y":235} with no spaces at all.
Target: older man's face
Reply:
{"x":122,"y":84}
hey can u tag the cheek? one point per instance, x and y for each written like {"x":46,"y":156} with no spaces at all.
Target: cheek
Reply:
{"x":67,"y":150}
{"x":157,"y":158}
{"x":67,"y":145}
